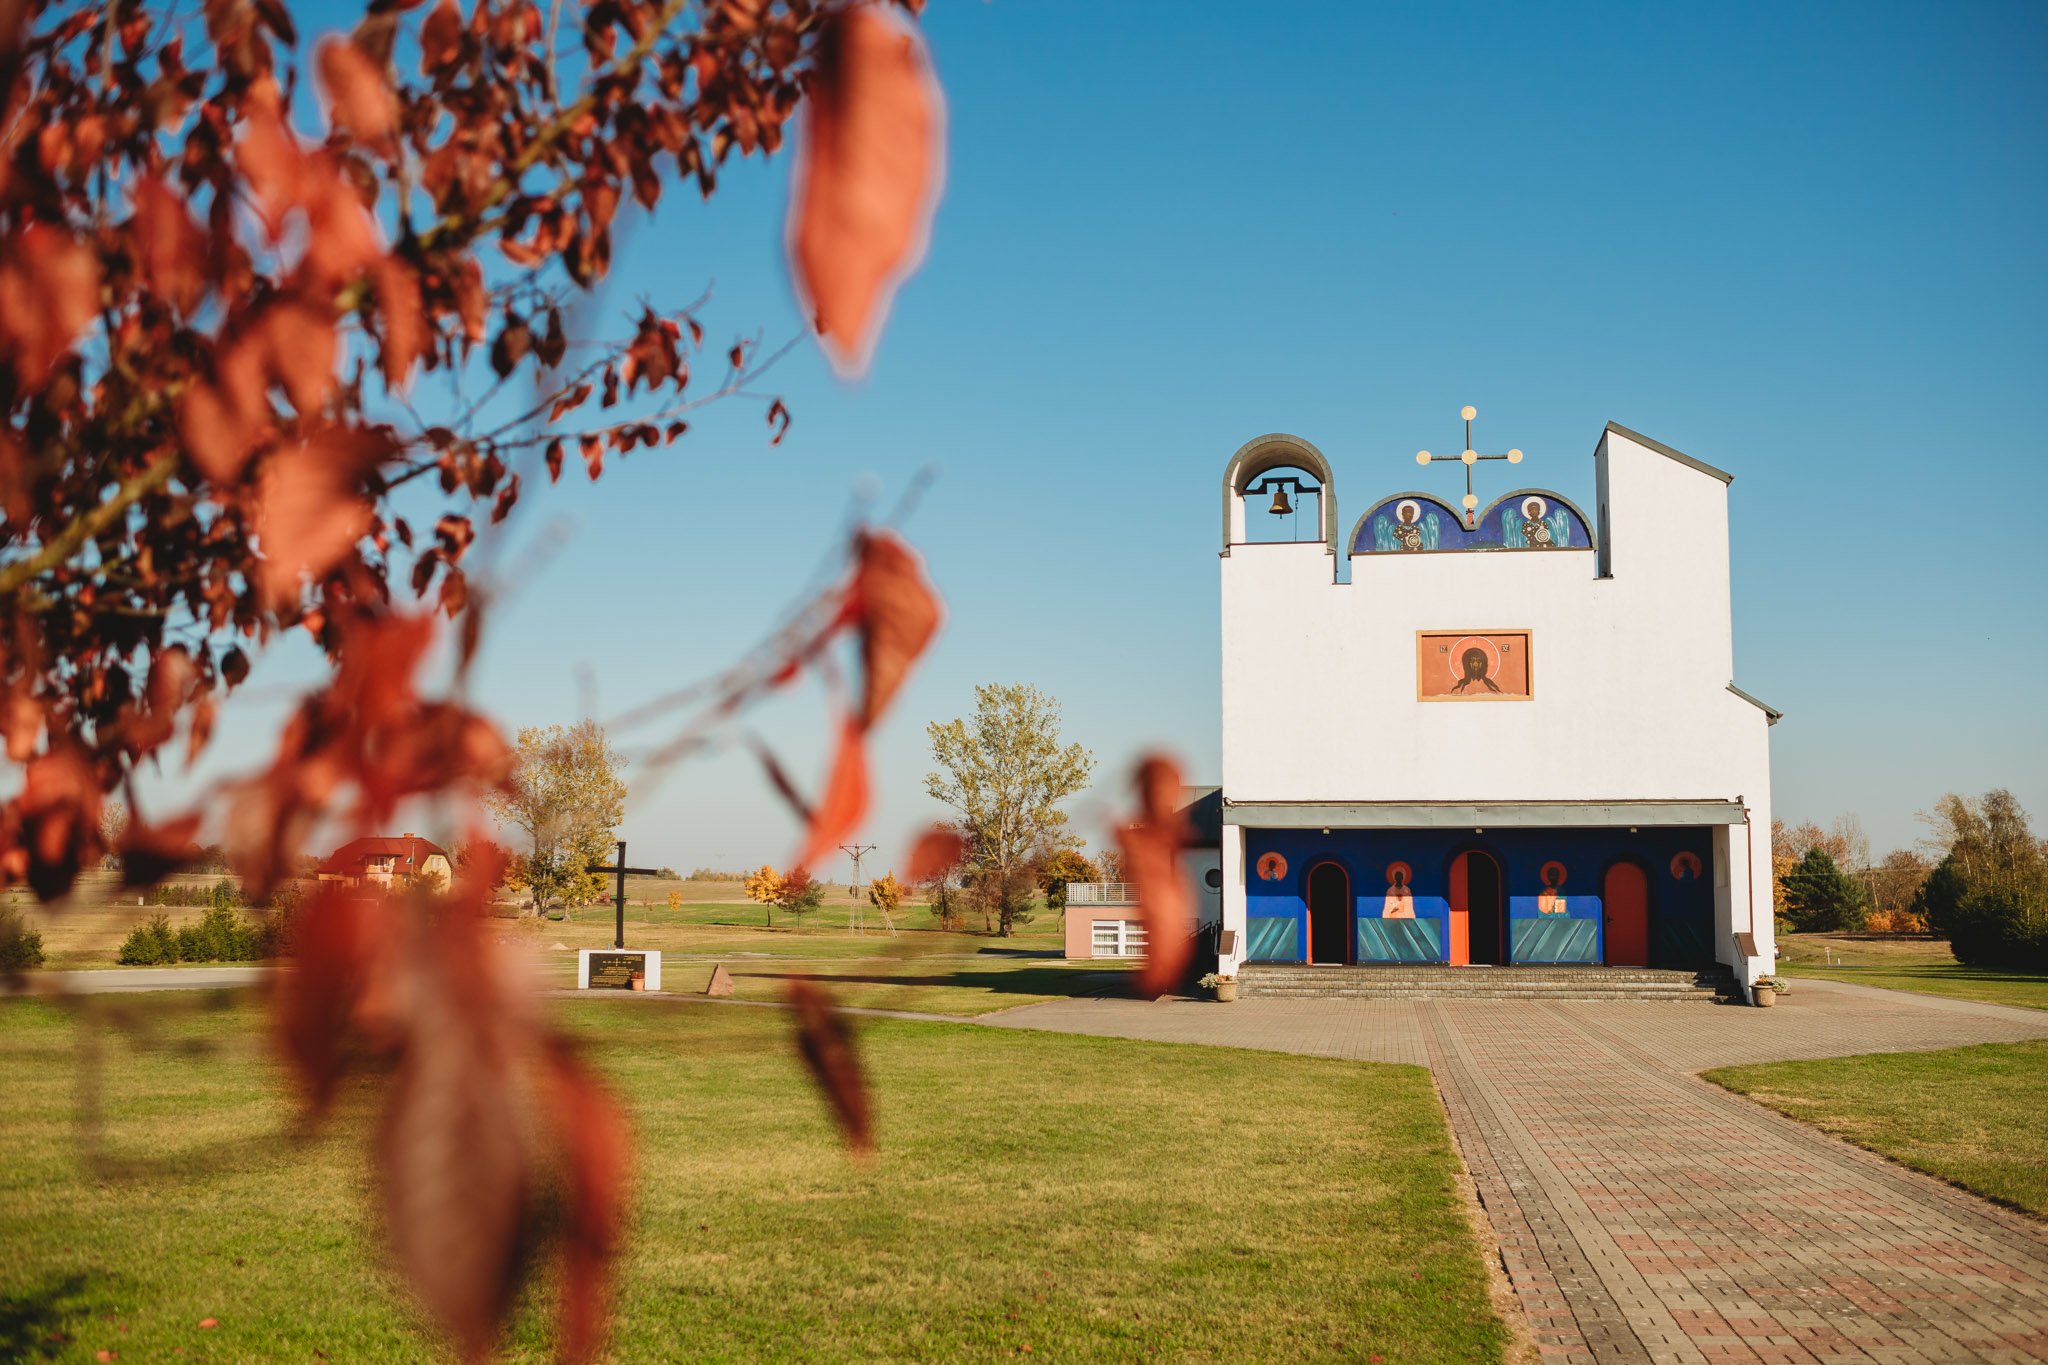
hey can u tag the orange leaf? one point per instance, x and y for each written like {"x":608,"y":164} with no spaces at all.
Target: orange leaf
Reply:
{"x":845,"y":803}
{"x":868,"y":176}
{"x":405,"y":324}
{"x":937,"y":849}
{"x":1151,"y":849}
{"x":149,"y":853}
{"x":826,"y":1046}
{"x":359,"y":98}
{"x":310,"y":509}
{"x":49,"y":292}
{"x":898,"y":614}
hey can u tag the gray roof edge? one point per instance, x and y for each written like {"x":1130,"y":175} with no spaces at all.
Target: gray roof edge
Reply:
{"x":1454,"y":814}
{"x":1651,"y":443}
{"x":1771,"y":713}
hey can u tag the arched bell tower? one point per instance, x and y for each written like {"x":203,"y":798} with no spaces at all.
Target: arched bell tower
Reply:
{"x":1285,"y":476}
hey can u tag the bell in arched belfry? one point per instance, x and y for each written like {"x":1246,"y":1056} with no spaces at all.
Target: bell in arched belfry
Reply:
{"x":1281,"y":507}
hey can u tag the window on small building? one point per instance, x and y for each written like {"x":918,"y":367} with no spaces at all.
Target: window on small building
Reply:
{"x":1119,"y":938}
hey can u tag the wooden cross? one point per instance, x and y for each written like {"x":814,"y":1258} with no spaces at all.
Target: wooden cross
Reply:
{"x":619,"y":870}
{"x":1468,"y":457}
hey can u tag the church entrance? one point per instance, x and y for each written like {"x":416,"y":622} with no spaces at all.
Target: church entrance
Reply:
{"x":1329,"y":914}
{"x":1476,"y":905}
{"x":1625,"y":896}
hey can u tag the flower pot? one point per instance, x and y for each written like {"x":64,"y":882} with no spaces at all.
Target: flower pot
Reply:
{"x":1226,"y":991}
{"x":639,"y":981}
{"x":1765,"y":996}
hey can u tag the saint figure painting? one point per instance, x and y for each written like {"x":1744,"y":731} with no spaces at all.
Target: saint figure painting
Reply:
{"x":1472,"y":666}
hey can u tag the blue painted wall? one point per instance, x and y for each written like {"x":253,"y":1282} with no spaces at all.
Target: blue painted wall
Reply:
{"x":1681,"y":907}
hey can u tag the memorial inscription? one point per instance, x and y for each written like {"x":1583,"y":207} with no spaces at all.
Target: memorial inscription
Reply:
{"x":615,"y":971}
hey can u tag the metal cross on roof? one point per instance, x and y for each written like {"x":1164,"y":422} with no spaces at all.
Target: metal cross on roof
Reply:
{"x":1468,"y":457}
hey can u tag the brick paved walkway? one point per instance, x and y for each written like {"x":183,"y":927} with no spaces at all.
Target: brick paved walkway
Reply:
{"x":1643,"y":1214}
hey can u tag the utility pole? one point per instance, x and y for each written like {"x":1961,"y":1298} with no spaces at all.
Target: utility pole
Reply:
{"x":856,"y":918}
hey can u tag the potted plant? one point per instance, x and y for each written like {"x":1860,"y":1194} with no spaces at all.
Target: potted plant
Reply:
{"x":1765,"y":992}
{"x":1224,"y":986}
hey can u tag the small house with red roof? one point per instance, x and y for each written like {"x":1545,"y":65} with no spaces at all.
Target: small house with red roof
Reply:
{"x":385,"y":860}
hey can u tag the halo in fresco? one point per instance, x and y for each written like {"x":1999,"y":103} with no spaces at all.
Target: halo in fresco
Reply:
{"x":1534,"y":508}
{"x":1685,"y":865}
{"x":1272,"y":867}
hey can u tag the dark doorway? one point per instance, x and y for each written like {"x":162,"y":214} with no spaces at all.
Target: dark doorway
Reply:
{"x":1483,"y":899}
{"x":1329,"y":914}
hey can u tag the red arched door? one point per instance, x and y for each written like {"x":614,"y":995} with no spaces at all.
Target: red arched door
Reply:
{"x":1625,"y":898}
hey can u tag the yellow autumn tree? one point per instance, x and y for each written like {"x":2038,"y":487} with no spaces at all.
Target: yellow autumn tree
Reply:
{"x":765,"y":886}
{"x":885,"y":893}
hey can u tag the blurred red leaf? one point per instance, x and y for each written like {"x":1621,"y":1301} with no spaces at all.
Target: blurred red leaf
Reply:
{"x":898,"y":614}
{"x":340,"y":959}
{"x":844,"y":804}
{"x":359,"y":98}
{"x":406,"y":337}
{"x":53,"y":826}
{"x":826,"y":1046}
{"x":597,"y":1148}
{"x":1152,"y":847}
{"x":440,"y":37}
{"x":867,"y":176}
{"x":170,"y":249}
{"x":937,"y":849}
{"x":149,"y":853}
{"x":49,"y":292}
{"x":453,"y":1153}
{"x":310,"y":508}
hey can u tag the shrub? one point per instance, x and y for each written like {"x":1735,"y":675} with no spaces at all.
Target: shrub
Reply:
{"x":1894,"y":922}
{"x":151,"y":943}
{"x":20,"y":946}
{"x":1994,"y":928}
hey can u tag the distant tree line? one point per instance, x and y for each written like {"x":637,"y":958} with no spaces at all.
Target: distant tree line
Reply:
{"x":1986,"y":890}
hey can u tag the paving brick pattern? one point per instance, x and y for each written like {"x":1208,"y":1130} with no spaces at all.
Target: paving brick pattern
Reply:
{"x":1643,"y":1214}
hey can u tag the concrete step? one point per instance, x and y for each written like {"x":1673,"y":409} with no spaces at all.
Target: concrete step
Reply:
{"x":1411,"y":982}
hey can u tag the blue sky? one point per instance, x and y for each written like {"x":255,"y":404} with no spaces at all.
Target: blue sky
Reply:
{"x":1803,"y":243}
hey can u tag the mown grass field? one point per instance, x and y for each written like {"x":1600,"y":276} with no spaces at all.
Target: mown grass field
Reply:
{"x":919,"y":967}
{"x":1907,"y":965}
{"x":1977,"y":1116}
{"x":1078,"y":1198}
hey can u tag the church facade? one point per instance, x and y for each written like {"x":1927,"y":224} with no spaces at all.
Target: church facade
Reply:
{"x":1497,"y":735}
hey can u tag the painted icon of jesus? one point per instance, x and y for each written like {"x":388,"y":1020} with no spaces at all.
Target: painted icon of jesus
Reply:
{"x":1474,"y":663}
{"x":1400,"y":899}
{"x":1552,"y":901}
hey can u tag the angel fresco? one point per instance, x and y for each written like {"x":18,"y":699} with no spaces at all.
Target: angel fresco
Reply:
{"x":1410,"y":529}
{"x":1539,"y":527}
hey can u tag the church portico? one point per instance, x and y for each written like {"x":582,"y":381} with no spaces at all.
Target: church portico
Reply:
{"x":1488,"y":731}
{"x":1476,"y":896}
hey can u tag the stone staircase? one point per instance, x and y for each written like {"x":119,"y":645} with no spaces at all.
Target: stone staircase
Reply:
{"x":1396,"y":981}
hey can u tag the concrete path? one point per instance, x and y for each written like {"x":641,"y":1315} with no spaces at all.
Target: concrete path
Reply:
{"x":121,"y":979}
{"x":1643,"y":1214}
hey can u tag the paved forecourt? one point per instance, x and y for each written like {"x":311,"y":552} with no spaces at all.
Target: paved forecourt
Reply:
{"x":1643,"y":1214}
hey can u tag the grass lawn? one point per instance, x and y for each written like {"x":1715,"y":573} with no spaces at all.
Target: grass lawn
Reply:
{"x":920,"y":967}
{"x":1082,"y":1197}
{"x":1907,"y":965}
{"x":1975,"y":1115}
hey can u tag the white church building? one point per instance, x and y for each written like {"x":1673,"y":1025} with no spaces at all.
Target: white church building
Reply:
{"x":1492,"y":736}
